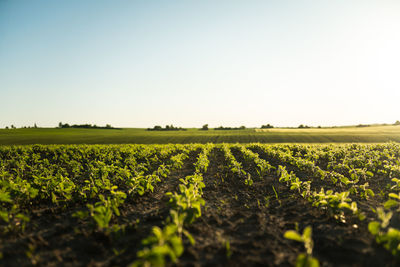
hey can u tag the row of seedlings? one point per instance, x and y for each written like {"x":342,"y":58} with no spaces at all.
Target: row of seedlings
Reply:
{"x":166,"y":243}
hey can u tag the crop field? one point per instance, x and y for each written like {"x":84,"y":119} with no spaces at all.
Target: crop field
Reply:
{"x":200,"y":205}
{"x":371,"y":134}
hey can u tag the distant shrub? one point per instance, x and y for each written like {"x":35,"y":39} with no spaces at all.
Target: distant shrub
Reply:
{"x":205,"y":127}
{"x":267,"y":126}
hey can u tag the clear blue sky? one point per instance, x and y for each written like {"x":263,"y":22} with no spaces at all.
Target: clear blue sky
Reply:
{"x":230,"y":63}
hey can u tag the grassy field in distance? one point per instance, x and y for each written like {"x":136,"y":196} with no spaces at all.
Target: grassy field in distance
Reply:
{"x":372,"y":134}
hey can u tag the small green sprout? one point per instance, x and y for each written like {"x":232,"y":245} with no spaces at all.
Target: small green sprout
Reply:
{"x":390,"y":238}
{"x":267,"y":199}
{"x":162,"y":244}
{"x":228,"y":249}
{"x":304,"y":260}
{"x":248,"y":181}
{"x":276,"y":196}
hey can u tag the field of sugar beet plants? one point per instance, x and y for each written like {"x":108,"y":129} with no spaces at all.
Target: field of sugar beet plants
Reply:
{"x":200,"y":205}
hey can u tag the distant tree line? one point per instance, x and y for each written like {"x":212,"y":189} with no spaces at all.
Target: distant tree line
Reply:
{"x":22,"y":127}
{"x":86,"y":126}
{"x":230,"y":128}
{"x":368,"y":125}
{"x":167,"y":128}
{"x":172,"y":128}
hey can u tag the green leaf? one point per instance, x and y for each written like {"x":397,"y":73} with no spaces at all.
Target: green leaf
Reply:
{"x":393,"y":195}
{"x":313,"y":262}
{"x":374,"y":227}
{"x":177,"y":245}
{"x":301,"y":260}
{"x":5,"y":196}
{"x":293,"y":235}
{"x":390,"y":203}
{"x":157,"y":232}
{"x":304,"y":260}
{"x":170,"y":230}
{"x":161,"y":250}
{"x":384,"y":217}
{"x":393,"y":234}
{"x":345,"y":205}
{"x":361,"y":216}
{"x":22,"y":217}
{"x":354,"y":206}
{"x":4,"y":216}
{"x":189,"y":236}
{"x":80,"y":214}
{"x":369,"y":192}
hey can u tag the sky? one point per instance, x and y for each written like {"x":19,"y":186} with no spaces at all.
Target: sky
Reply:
{"x":190,"y":63}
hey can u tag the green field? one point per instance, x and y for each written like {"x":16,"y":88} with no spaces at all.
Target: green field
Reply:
{"x":372,"y":134}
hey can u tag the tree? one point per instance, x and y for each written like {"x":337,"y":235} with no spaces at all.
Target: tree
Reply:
{"x":205,"y":127}
{"x":35,"y":126}
{"x":397,"y":123}
{"x":267,"y":126}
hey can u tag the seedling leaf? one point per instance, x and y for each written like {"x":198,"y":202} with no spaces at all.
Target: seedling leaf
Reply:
{"x":293,"y":235}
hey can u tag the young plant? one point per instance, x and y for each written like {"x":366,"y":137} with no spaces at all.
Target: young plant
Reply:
{"x":228,"y":251}
{"x":248,"y":181}
{"x":188,"y":201}
{"x":161,"y":244}
{"x":389,"y":237}
{"x":276,"y":195}
{"x":103,"y":210}
{"x":304,"y":259}
{"x":178,"y":219}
